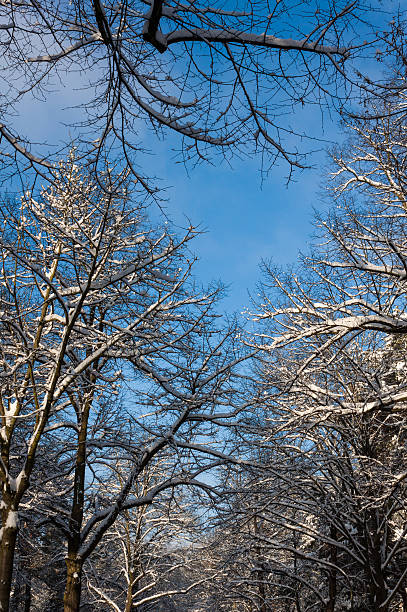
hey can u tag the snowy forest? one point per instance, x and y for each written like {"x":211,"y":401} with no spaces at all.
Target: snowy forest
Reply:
{"x":156,"y":454}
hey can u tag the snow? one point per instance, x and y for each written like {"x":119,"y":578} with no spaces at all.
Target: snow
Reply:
{"x":19,"y":478}
{"x":232,"y":35}
{"x":10,"y":413}
{"x":55,"y":318}
{"x":12,"y":520}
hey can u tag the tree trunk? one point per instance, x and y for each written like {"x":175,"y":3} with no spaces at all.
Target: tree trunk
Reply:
{"x":21,"y":599}
{"x":72,"y":596}
{"x":7,"y":548}
{"x":378,"y":591}
{"x":332,"y":572}
{"x":129,"y":599}
{"x":27,"y":595}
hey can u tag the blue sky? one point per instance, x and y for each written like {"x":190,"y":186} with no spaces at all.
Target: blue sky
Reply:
{"x":246,"y":219}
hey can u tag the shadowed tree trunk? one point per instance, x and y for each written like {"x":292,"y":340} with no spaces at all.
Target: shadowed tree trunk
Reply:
{"x":72,"y":596}
{"x":332,"y":572}
{"x":7,"y":549}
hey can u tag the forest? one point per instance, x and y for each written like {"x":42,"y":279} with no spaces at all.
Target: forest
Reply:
{"x":157,"y":455}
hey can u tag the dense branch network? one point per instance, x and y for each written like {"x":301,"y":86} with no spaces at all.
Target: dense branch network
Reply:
{"x":94,"y":301}
{"x":220,"y":77}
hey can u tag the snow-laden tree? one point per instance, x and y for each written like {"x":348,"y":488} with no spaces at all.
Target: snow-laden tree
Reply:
{"x":39,"y":564}
{"x":95,"y":300}
{"x":334,"y":392}
{"x":221,"y":76}
{"x":317,"y":522}
{"x":354,"y":281}
{"x":335,"y":503}
{"x":146,"y":560}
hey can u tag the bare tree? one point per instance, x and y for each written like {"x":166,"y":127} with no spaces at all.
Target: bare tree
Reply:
{"x":332,"y":508}
{"x":95,"y":298}
{"x":317,"y":521}
{"x":146,"y":559}
{"x":223,"y":78}
{"x":334,"y":332}
{"x":354,"y":282}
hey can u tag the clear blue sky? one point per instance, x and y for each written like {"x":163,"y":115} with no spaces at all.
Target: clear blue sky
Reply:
{"x":245,"y":221}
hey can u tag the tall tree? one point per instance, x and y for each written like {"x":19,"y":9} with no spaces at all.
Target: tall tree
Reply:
{"x":335,"y":338}
{"x":95,"y":298}
{"x":145,"y":560}
{"x":330,"y":498}
{"x":353,"y":280}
